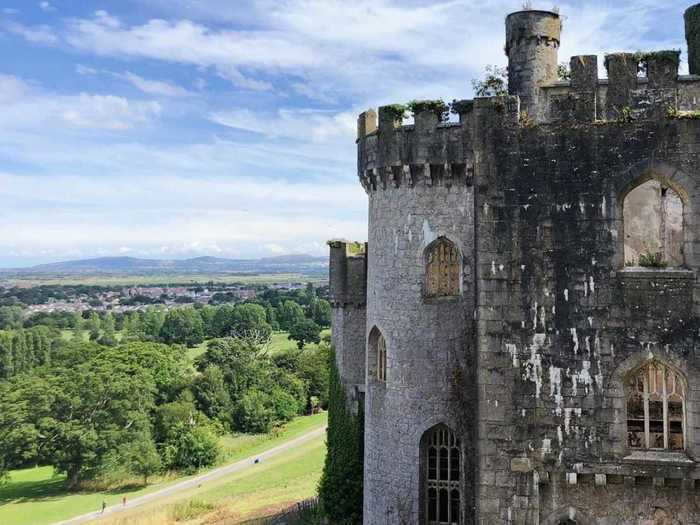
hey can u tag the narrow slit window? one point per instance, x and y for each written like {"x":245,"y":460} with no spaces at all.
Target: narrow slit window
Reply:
{"x":377,"y":357}
{"x":656,"y":397}
{"x":443,"y":269}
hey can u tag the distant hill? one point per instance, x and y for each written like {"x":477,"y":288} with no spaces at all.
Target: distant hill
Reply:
{"x":297,"y":263}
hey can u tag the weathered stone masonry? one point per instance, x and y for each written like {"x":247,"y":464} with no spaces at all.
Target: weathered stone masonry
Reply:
{"x":529,"y":364}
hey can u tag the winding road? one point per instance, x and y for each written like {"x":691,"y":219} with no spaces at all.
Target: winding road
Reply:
{"x":245,"y":464}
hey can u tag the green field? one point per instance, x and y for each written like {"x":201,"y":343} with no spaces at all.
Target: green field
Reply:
{"x":160,"y":279}
{"x":272,"y":485}
{"x":37,"y":497}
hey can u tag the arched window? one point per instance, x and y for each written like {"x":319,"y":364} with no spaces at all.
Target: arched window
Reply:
{"x":377,"y":356}
{"x":443,"y":468}
{"x":442,"y":269}
{"x":653,"y":222}
{"x":656,"y":397}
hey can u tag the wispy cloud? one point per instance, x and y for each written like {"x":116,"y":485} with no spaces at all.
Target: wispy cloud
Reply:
{"x":31,"y":108}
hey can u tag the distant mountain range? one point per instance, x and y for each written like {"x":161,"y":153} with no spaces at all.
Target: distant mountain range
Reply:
{"x":305,"y":264}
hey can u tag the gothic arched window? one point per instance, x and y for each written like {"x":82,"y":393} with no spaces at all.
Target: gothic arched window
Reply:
{"x":656,"y":408}
{"x":377,"y":356}
{"x":653,"y":223}
{"x":443,"y":467}
{"x":442,"y":269}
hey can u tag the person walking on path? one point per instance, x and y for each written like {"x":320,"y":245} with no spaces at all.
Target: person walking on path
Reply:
{"x":124,"y":501}
{"x":104,"y":506}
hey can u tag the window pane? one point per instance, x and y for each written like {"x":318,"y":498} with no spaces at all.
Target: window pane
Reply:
{"x":443,"y":508}
{"x":432,"y":463}
{"x":454,"y":504}
{"x":432,"y":504}
{"x":443,"y":464}
{"x":454,"y":464}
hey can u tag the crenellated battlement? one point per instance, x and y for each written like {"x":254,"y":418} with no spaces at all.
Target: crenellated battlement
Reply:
{"x":429,"y":152}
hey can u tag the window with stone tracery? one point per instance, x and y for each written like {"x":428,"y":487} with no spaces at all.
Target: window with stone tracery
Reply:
{"x":656,"y":396}
{"x":443,"y":269}
{"x":443,"y":462}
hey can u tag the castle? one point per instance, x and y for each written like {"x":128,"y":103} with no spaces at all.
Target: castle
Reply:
{"x":522,"y":329}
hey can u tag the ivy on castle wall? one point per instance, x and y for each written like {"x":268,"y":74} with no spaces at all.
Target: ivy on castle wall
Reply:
{"x":341,"y":485}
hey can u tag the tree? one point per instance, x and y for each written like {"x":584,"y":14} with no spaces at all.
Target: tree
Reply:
{"x":11,"y":317}
{"x":305,"y":331}
{"x":320,"y":312}
{"x":250,"y":319}
{"x":141,"y":457}
{"x":340,"y":488}
{"x":182,"y":326}
{"x":289,"y":313}
{"x":211,"y":393}
{"x":74,"y":418}
{"x":494,"y":84}
{"x":191,"y":447}
{"x":109,"y":336}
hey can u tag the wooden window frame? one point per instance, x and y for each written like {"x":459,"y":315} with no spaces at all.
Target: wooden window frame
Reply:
{"x":443,"y":270}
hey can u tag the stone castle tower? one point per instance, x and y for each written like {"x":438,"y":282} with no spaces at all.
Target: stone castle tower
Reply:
{"x":522,"y":328}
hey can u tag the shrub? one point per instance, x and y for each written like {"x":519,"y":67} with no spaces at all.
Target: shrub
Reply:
{"x":652,"y":260}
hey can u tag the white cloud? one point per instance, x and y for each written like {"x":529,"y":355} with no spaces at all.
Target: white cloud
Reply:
{"x":34,"y":109}
{"x":46,"y":7}
{"x":154,"y":87}
{"x":85,"y":70}
{"x":194,"y":216}
{"x":40,"y":34}
{"x":298,"y":124}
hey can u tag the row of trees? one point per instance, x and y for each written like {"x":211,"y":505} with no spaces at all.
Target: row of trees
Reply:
{"x":95,"y":411}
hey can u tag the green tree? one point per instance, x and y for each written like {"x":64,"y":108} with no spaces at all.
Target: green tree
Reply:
{"x":141,"y":457}
{"x":211,"y":392}
{"x":320,"y":312}
{"x":340,"y":488}
{"x":74,"y":418}
{"x":250,"y":319}
{"x":289,"y":313}
{"x":109,"y":335}
{"x":11,"y":317}
{"x":182,"y":326}
{"x":192,"y":447}
{"x":494,"y":83}
{"x":305,"y":331}
{"x":256,"y":412}
{"x":153,"y":319}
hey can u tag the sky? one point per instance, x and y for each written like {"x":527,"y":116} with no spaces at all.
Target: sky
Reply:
{"x":180,"y":128}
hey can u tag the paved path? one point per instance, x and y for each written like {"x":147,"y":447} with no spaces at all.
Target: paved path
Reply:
{"x":217,"y":473}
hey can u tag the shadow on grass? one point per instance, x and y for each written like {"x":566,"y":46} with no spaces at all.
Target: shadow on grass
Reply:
{"x":52,"y":489}
{"x":42,"y":490}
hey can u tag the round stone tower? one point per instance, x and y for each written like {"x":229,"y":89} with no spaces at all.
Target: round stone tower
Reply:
{"x":532,"y":46}
{"x":692,"y":37}
{"x":420,"y":389}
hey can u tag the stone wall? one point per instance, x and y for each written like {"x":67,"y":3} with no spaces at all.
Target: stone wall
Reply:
{"x":528,"y":364}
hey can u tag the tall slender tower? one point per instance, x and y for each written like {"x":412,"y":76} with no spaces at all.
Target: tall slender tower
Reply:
{"x":532,"y":46}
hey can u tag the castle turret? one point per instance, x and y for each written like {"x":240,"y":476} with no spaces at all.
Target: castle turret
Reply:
{"x":532,"y":45}
{"x":348,"y":295}
{"x":692,"y":36}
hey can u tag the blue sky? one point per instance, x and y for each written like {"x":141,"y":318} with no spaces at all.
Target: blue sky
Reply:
{"x":178,"y":128}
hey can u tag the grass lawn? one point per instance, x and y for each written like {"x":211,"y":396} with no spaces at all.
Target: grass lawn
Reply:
{"x":37,"y":497}
{"x":261,"y":490}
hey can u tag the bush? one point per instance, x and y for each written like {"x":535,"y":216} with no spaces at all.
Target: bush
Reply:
{"x":340,"y":488}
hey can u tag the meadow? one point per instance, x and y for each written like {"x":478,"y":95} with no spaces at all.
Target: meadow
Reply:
{"x":37,"y":496}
